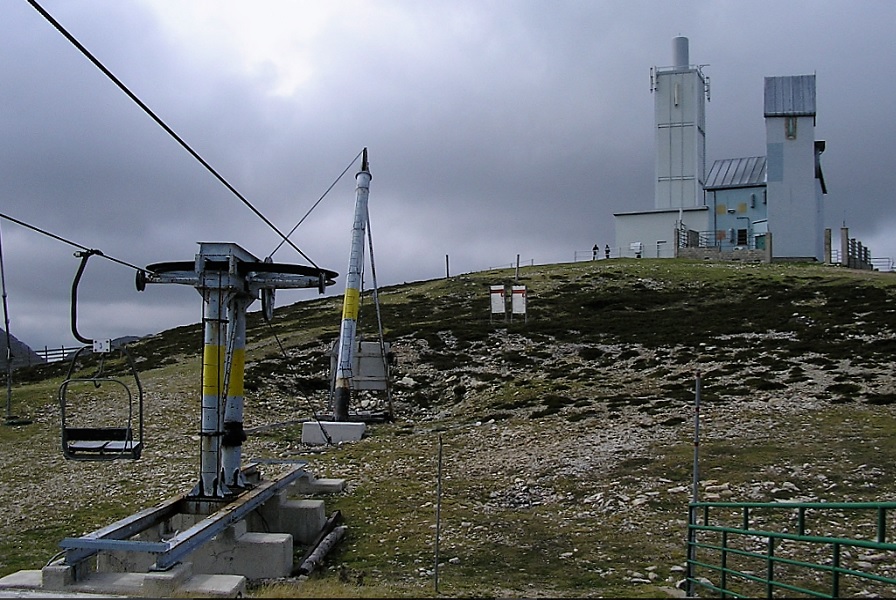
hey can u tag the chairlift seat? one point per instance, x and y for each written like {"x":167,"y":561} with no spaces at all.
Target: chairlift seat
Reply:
{"x":100,"y":443}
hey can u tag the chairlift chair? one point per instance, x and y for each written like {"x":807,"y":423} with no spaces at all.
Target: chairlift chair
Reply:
{"x":95,"y":438}
{"x":101,"y":439}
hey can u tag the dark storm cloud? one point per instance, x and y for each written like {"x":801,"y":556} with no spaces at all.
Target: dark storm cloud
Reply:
{"x":495,"y":129}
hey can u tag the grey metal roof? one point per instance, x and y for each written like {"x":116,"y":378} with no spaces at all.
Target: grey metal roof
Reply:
{"x":793,"y":95}
{"x":736,"y":172}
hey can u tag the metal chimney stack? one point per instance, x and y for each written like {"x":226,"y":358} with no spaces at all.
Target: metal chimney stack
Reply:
{"x":680,"y":52}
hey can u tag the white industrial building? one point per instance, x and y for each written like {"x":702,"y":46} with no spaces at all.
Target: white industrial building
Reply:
{"x":741,"y":204}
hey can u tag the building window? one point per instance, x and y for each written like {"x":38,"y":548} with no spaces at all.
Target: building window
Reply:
{"x":741,"y":237}
{"x":790,"y":127}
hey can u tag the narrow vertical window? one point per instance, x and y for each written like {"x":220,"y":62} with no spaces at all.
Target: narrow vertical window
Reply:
{"x":790,"y":127}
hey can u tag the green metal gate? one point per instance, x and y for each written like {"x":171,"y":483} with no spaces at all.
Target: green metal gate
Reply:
{"x":781,"y":549}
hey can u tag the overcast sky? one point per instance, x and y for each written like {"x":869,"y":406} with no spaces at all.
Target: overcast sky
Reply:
{"x":495,"y":129}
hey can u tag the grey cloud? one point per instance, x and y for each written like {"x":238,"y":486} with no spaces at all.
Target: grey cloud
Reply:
{"x":494,"y":129}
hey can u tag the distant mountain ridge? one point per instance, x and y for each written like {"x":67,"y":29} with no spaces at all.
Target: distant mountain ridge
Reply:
{"x":22,"y":354}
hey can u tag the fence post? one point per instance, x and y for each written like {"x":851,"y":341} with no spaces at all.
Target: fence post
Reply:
{"x":723,"y":583}
{"x":692,"y":512}
{"x":696,"y":485}
{"x":438,"y":515}
{"x":835,"y":573}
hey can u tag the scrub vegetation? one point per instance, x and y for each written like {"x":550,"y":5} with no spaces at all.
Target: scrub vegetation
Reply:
{"x":566,"y":436}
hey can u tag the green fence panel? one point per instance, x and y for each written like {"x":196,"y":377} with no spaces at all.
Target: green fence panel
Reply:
{"x":790,"y":562}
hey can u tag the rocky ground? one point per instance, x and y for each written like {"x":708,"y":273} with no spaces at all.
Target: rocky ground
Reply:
{"x":567,"y":454}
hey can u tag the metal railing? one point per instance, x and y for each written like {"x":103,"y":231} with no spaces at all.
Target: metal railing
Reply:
{"x":601,"y":254}
{"x":711,"y":239}
{"x":754,"y":549}
{"x":56,"y":354}
{"x":882,"y":264}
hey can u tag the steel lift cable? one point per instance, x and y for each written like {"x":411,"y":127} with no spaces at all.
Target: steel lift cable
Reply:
{"x":332,"y":185}
{"x":289,"y":366}
{"x":379,"y":316}
{"x":164,"y":126}
{"x":69,"y":242}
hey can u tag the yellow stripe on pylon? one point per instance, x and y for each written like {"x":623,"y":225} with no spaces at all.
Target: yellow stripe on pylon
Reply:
{"x":352,"y":304}
{"x":213,"y":370}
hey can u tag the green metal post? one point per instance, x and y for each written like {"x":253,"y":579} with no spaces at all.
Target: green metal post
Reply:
{"x":692,"y":514}
{"x":724,"y":581}
{"x":835,"y":573}
{"x":770,"y":569}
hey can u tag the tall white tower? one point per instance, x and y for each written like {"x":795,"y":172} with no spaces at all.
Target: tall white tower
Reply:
{"x":680,"y":116}
{"x":795,"y":185}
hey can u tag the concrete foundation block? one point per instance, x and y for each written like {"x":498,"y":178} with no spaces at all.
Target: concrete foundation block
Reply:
{"x":161,"y":584}
{"x":303,"y":519}
{"x":214,"y":586}
{"x":312,"y":485}
{"x":253,"y":555}
{"x":123,"y":562}
{"x":338,"y":431}
{"x":29,"y":580}
{"x":57,"y":576}
{"x":267,"y":516}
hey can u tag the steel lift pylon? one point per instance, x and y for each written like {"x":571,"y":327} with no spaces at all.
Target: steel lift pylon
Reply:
{"x":229,"y":279}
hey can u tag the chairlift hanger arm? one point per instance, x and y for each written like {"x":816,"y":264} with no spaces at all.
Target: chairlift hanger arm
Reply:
{"x":84,"y":256}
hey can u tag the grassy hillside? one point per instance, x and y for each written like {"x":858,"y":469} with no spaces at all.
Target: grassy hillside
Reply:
{"x":567,"y":437}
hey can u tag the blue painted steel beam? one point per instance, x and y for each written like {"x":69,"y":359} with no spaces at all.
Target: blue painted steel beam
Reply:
{"x":170,"y":552}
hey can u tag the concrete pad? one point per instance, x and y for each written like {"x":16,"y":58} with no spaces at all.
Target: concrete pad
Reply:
{"x":253,"y":555}
{"x":29,"y":579}
{"x":214,"y":586}
{"x":338,"y":431}
{"x":125,"y":584}
{"x":111,"y":561}
{"x":57,"y":576}
{"x":312,"y":485}
{"x":303,"y":519}
{"x":159,"y":584}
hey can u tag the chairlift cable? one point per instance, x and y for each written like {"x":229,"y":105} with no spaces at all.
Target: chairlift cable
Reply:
{"x":379,"y":316}
{"x":323,"y":430}
{"x":332,"y":185}
{"x":163,"y":125}
{"x":69,"y":242}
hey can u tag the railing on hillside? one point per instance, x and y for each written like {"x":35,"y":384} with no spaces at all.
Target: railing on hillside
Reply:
{"x":56,"y":354}
{"x":526,"y":263}
{"x":727,"y":243}
{"x":583,"y":255}
{"x":754,"y":549}
{"x":882,"y":264}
